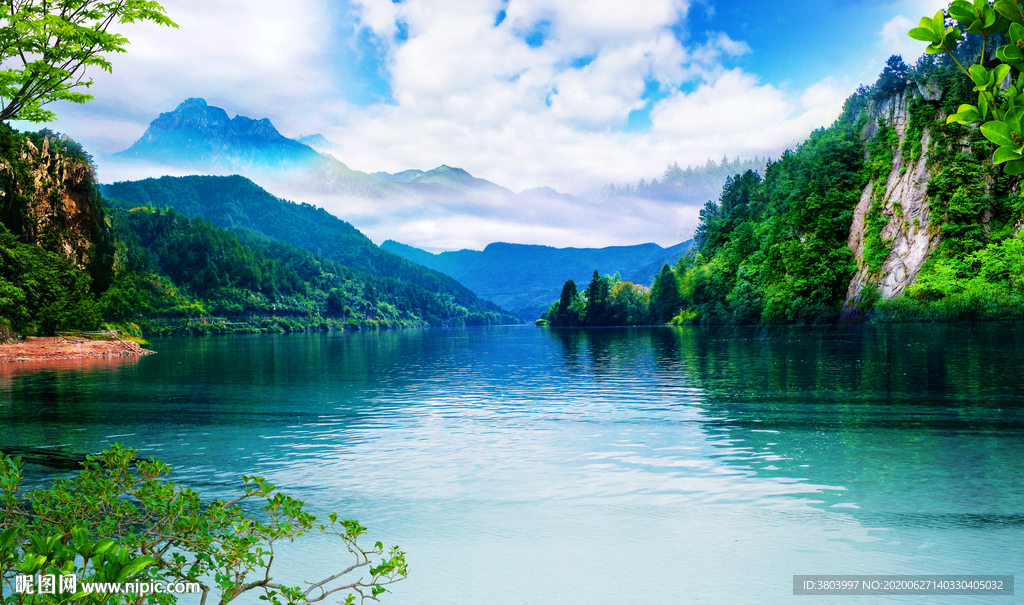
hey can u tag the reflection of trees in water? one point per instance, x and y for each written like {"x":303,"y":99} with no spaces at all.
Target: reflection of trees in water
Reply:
{"x":917,"y":421}
{"x":920,"y":423}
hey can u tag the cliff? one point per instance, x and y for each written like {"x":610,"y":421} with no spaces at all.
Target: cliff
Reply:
{"x":900,"y":200}
{"x":48,"y":198}
{"x":910,"y":224}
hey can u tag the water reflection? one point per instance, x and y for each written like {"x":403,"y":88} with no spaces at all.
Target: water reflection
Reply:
{"x":841,"y":451}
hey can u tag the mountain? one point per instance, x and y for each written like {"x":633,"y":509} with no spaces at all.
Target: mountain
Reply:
{"x":399,"y":177}
{"x":526,"y":279}
{"x":458,"y":180}
{"x":235,"y":202}
{"x":445,"y":208}
{"x":197,"y":136}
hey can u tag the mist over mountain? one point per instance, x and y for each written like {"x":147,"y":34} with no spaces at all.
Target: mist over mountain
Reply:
{"x":198,"y":135}
{"x":445,"y":208}
{"x":399,"y":177}
{"x":527,"y":279}
{"x":235,"y":202}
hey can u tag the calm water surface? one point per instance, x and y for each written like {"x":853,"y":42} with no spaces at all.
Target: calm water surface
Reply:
{"x":518,"y":465}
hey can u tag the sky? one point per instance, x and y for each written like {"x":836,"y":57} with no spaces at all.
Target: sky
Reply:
{"x":525,"y":93}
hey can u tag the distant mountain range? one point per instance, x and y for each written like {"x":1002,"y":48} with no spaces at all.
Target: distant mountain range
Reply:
{"x":236,"y":202}
{"x":527,"y":279}
{"x":202,"y":137}
{"x":445,"y":208}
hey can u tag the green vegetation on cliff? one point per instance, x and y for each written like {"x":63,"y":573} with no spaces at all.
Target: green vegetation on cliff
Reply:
{"x":69,"y":262}
{"x":814,"y":240}
{"x":776,"y":251}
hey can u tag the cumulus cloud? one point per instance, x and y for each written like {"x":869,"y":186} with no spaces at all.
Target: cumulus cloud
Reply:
{"x":895,"y":41}
{"x":524,"y":93}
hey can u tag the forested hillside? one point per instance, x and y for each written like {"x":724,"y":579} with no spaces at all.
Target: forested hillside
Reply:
{"x":71,"y":260}
{"x":236,"y":202}
{"x":889,"y":214}
{"x":525,"y":278}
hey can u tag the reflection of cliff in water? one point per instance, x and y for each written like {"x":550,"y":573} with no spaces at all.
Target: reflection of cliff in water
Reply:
{"x":922,"y":425}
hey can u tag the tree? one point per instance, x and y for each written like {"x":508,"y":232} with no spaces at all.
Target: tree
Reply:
{"x":120,"y":520}
{"x":665,"y":298}
{"x":629,"y":303}
{"x":569,"y":294}
{"x":893,"y":78}
{"x":47,"y":46}
{"x":1000,"y":112}
{"x":597,"y":301}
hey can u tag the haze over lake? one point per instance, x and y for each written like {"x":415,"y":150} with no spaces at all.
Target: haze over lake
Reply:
{"x":521,"y":465}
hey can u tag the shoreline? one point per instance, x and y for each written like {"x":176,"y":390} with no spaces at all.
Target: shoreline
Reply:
{"x":46,"y":348}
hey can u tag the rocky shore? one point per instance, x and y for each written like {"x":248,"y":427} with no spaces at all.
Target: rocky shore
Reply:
{"x":48,"y":348}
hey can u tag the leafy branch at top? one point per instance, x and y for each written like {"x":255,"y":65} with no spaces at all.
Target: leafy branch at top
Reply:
{"x":47,"y":45}
{"x":1000,"y":112}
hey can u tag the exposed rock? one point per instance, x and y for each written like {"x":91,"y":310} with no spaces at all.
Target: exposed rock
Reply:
{"x":54,"y":204}
{"x":904,"y":203}
{"x":930,"y":90}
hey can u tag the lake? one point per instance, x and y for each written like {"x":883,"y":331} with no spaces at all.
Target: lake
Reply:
{"x":521,"y":465}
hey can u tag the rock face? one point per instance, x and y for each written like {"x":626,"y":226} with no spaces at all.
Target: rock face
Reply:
{"x":904,"y":202}
{"x":198,"y":135}
{"x":48,"y":198}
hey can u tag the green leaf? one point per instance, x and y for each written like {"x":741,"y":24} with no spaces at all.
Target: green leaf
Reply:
{"x":1008,"y":9}
{"x":1016,"y":32}
{"x":998,"y":133}
{"x":1010,"y":54}
{"x":963,"y":12}
{"x":966,"y":114}
{"x":1014,"y":167}
{"x":949,"y":42}
{"x":135,"y":566}
{"x":1005,"y":154}
{"x":983,"y":105}
{"x":924,"y":34}
{"x":1012,"y":118}
{"x":1000,"y":73}
{"x":979,"y":75}
{"x":103,"y":546}
{"x":7,"y":538}
{"x":937,"y":23}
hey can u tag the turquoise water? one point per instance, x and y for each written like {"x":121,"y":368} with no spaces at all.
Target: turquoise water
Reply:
{"x":520,"y":465}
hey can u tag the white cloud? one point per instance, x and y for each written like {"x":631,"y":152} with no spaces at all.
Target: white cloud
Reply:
{"x":471,"y":94}
{"x":895,"y":41}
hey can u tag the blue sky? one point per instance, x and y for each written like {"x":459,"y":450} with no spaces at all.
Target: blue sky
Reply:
{"x":524,"y":93}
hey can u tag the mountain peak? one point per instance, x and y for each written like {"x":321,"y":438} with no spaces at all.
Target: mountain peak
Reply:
{"x":199,"y":135}
{"x":458,"y":179}
{"x":196,"y":101}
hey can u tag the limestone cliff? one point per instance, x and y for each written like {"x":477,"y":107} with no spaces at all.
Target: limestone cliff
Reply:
{"x":48,"y":198}
{"x":902,"y":200}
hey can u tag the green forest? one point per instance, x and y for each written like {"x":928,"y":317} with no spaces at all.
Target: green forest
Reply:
{"x":773,"y":249}
{"x":71,"y":259}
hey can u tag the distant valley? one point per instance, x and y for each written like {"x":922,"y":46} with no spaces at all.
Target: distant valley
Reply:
{"x":527,"y":279}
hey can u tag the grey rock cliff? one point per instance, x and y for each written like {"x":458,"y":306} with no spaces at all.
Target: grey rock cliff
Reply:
{"x":904,"y":203}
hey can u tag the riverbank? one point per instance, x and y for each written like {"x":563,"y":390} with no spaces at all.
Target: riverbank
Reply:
{"x":47,"y":348}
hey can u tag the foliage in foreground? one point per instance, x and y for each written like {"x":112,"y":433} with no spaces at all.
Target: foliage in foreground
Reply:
{"x":120,"y":520}
{"x":47,"y":46}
